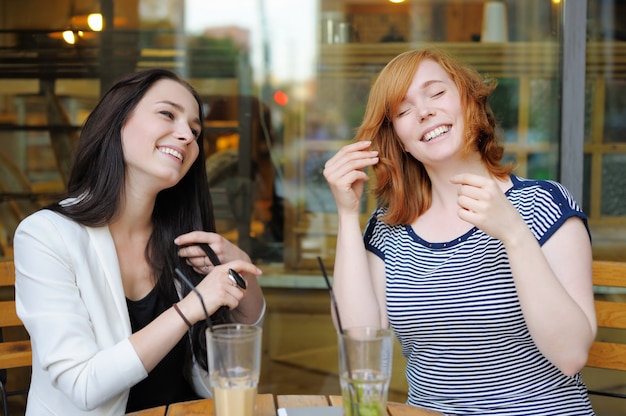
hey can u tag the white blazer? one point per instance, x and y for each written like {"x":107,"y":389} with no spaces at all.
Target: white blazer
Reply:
{"x":70,"y":298}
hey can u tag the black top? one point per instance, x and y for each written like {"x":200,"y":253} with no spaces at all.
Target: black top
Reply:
{"x":166,"y":383}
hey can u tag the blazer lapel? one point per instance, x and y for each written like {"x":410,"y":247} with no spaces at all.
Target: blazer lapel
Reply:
{"x":105,"y":249}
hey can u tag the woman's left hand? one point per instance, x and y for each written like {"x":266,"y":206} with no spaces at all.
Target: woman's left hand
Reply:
{"x":197,"y":258}
{"x":483,"y":203}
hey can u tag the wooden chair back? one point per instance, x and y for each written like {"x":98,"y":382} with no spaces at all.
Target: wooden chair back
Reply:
{"x":13,"y":354}
{"x":610,"y":279}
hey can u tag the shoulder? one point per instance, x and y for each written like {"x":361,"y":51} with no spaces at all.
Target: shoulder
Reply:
{"x":49,"y":230}
{"x":542,"y":193}
{"x":378,"y":231}
{"x":544,"y":204}
{"x":376,"y":224}
{"x":541,"y":186}
{"x":46,"y":220}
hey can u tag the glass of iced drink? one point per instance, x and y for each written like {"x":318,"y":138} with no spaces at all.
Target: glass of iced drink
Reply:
{"x":365,"y":356}
{"x":234,"y":352}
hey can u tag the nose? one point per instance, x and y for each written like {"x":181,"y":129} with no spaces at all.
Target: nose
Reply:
{"x":184,"y":133}
{"x":425,"y":112}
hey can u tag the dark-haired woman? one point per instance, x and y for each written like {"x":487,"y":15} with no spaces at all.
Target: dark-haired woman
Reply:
{"x":112,"y":326}
{"x":484,"y":276}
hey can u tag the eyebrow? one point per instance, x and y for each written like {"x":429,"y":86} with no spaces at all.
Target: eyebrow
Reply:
{"x":179,"y":108}
{"x":431,"y":82}
{"x":424,"y":86}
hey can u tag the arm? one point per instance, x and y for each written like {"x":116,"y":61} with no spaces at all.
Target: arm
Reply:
{"x":156,"y":339}
{"x":357,"y":274}
{"x":553,"y":282}
{"x":555,"y":289}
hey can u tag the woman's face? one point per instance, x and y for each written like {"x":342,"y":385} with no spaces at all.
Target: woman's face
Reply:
{"x":159,"y":138}
{"x":429,"y":121}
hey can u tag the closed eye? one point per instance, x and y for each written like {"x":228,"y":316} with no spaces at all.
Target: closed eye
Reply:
{"x":167,"y":114}
{"x":439,"y":94}
{"x":403,"y":112}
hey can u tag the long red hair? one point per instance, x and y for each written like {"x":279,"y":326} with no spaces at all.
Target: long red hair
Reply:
{"x":402,"y":183}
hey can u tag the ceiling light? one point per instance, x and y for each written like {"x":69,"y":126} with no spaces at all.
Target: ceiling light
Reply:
{"x":95,"y":22}
{"x":69,"y":37}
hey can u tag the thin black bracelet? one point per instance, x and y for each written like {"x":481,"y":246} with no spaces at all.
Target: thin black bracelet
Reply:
{"x":181,"y":315}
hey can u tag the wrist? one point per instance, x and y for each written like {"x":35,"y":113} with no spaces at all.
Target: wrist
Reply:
{"x":519,"y":238}
{"x":182,"y":315}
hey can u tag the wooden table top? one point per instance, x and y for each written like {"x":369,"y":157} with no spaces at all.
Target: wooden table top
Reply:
{"x":267,"y":405}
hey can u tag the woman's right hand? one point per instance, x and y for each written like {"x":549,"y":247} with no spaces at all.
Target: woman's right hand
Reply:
{"x":217,"y":289}
{"x":345,"y":174}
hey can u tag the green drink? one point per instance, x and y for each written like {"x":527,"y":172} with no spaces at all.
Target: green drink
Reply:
{"x":365,"y":394}
{"x":365,"y":355}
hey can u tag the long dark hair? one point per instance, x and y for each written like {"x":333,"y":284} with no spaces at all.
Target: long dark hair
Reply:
{"x":96,"y":185}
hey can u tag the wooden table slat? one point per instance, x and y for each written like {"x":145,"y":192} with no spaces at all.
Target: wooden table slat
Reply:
{"x":301,"y":401}
{"x":400,"y":409}
{"x":336,"y":400}
{"x":266,"y":406}
{"x":202,"y":407}
{"x":155,"y":411}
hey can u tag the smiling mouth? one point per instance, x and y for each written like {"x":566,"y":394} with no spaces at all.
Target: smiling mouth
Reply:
{"x":433,"y":134}
{"x":172,"y":152}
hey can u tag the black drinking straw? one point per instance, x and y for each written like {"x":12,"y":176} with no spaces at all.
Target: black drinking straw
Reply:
{"x":353,"y":393}
{"x":332,"y":295}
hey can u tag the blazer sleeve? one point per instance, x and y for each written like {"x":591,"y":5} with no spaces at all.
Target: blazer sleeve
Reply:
{"x":68,"y":308}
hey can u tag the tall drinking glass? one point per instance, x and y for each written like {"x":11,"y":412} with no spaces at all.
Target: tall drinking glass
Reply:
{"x":234,"y":352}
{"x":365,"y":356}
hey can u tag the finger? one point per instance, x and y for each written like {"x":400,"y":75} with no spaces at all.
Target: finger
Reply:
{"x":191,"y":252}
{"x":240,"y":266}
{"x":202,"y":270}
{"x":349,"y":182}
{"x":233,"y":298}
{"x":226,"y":295}
{"x":350,"y":165}
{"x":205,"y":268}
{"x":349,"y":153}
{"x":472,"y":192}
{"x":232,"y":292}
{"x":195,"y":237}
{"x":467,"y":216}
{"x":469,"y":179}
{"x":350,"y":171}
{"x":201,"y":254}
{"x":355,"y":146}
{"x":469,"y":204}
{"x":343,"y":156}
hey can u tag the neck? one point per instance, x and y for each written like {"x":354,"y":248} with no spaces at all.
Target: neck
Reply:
{"x":134,"y":216}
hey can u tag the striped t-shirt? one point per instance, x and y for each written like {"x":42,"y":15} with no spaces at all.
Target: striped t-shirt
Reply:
{"x":455,"y":311}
